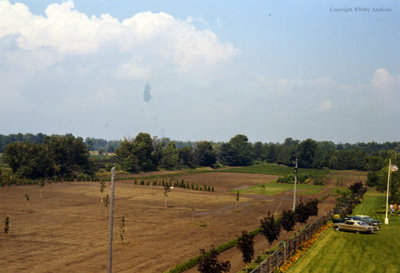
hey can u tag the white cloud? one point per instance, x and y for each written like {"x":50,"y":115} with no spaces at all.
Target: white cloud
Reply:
{"x":383,"y":80}
{"x":283,"y":86}
{"x":133,"y":70}
{"x":66,"y":31}
{"x":325,"y":106}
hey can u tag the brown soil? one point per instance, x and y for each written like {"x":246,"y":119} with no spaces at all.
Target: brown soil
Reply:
{"x":66,"y":229}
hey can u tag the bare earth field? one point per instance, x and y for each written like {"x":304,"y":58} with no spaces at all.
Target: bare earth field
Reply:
{"x":65,"y":227}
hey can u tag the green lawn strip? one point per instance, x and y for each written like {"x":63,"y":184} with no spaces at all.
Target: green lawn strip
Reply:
{"x":338,"y":251}
{"x":274,"y":169}
{"x":195,"y":260}
{"x":275,"y":188}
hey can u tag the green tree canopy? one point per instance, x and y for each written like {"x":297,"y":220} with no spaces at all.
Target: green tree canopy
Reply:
{"x":306,"y":151}
{"x":205,"y":154}
{"x":170,"y":158}
{"x":56,"y":156}
{"x":186,"y":156}
{"x":237,"y":152}
{"x":143,"y":148}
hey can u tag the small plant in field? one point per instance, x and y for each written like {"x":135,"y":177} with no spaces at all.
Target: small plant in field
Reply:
{"x":102,"y":186}
{"x":193,"y":211}
{"x":7,"y":224}
{"x":122,"y":229}
{"x":105,"y":201}
{"x":42,"y":184}
{"x":237,"y":198}
{"x":167,"y":189}
{"x":212,"y":189}
{"x":27,"y":197}
{"x":135,"y":182}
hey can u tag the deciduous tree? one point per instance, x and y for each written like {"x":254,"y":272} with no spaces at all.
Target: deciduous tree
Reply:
{"x":208,"y":262}
{"x":246,"y":246}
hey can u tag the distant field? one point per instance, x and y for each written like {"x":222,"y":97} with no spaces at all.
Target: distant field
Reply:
{"x":275,"y":169}
{"x":274,"y":188}
{"x":338,"y":251}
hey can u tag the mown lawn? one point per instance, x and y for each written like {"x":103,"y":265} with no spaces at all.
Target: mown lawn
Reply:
{"x":338,"y":251}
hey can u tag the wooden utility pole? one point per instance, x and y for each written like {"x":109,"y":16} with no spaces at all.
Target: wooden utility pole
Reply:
{"x":111,"y":221}
{"x":295,"y":182}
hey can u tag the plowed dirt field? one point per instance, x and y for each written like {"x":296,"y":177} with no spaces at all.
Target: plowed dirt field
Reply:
{"x":64,"y":226}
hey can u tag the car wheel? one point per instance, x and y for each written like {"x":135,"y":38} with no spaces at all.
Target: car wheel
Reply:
{"x":357,"y":231}
{"x":337,"y":228}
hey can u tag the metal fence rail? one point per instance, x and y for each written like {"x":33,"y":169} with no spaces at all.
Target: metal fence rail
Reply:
{"x":288,"y":248}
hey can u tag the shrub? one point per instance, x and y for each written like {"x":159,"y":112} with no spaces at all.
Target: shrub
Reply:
{"x":288,"y":220}
{"x":270,"y":229}
{"x":246,"y":244}
{"x":319,"y":180}
{"x":208,"y":262}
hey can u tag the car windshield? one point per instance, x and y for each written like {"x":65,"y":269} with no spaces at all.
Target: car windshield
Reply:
{"x":361,"y":223}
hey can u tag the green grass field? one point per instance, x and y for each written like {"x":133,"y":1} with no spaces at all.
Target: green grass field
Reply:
{"x":274,"y":169}
{"x":338,"y":251}
{"x":275,"y":188}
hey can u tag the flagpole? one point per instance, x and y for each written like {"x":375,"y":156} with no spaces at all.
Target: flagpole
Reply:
{"x":387,"y":193}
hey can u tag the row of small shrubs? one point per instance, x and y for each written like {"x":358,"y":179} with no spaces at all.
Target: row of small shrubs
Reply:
{"x":348,"y":198}
{"x":301,"y":179}
{"x":177,"y":184}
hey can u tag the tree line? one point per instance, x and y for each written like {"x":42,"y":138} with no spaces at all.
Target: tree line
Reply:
{"x":146,"y":153}
{"x":56,"y":156}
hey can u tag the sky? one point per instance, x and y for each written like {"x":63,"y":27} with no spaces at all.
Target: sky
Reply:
{"x":202,"y":70}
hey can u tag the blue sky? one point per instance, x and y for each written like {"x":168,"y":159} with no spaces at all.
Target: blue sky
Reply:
{"x":214,"y":69}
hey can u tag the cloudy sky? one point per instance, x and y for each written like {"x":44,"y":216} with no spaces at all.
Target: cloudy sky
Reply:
{"x":201,"y":70}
